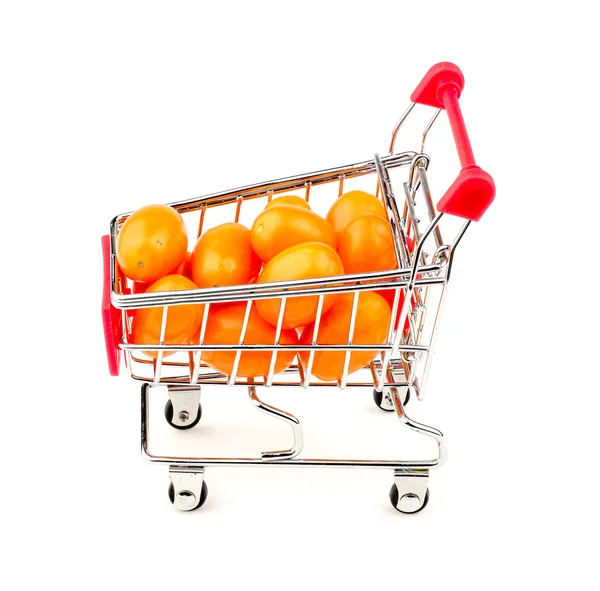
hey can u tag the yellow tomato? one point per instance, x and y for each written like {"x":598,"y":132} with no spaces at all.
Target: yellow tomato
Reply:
{"x":288,"y":200}
{"x":371,"y":327}
{"x":151,"y":243}
{"x":182,"y":321}
{"x":366,"y":244}
{"x":140,"y":336}
{"x":352,"y":205}
{"x":303,"y":261}
{"x":224,"y":327}
{"x":223,"y":256}
{"x":278,"y":228}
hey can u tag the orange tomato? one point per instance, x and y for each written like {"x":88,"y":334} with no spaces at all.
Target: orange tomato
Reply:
{"x":288,"y":200}
{"x":182,"y":321}
{"x":303,"y":261}
{"x":185,"y":267}
{"x":140,"y":336}
{"x":373,"y":317}
{"x":278,"y":228}
{"x":223,"y":256}
{"x":352,"y":205}
{"x":224,"y":327}
{"x":389,"y":294}
{"x":366,"y":245}
{"x":151,"y":243}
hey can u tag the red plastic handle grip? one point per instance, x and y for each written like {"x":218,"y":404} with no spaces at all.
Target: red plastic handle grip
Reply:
{"x":473,"y":191}
{"x":111,"y":317}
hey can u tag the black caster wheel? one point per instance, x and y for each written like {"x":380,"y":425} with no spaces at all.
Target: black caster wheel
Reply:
{"x":394,"y":501}
{"x":169,"y":417}
{"x":379,"y":400}
{"x":203,"y":495}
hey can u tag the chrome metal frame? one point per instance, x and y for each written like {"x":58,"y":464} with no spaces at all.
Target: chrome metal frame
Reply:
{"x":402,"y":360}
{"x":289,"y":457}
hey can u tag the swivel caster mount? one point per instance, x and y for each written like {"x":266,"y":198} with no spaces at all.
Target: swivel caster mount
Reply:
{"x":384,"y":399}
{"x":409,"y":493}
{"x":183,"y":409}
{"x":187,"y":490}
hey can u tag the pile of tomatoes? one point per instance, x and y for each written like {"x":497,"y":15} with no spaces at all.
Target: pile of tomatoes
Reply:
{"x":288,"y":241}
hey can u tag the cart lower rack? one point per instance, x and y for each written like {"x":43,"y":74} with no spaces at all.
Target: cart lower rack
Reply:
{"x":415,"y":289}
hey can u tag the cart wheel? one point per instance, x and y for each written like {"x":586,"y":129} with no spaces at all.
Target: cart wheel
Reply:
{"x":394,"y":500}
{"x":382,"y":403}
{"x":203,"y":495}
{"x":169,"y":417}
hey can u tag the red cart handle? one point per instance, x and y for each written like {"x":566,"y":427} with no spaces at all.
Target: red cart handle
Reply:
{"x":473,"y":191}
{"x":111,"y":317}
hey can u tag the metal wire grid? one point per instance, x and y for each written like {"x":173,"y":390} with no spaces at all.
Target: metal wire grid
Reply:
{"x":400,"y":361}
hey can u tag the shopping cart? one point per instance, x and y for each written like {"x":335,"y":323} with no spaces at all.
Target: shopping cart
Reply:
{"x":419,"y":284}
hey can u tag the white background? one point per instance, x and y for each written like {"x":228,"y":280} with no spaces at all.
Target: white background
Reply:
{"x":107,"y":106}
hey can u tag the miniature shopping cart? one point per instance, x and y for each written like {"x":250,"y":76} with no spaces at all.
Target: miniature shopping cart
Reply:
{"x":424,"y":256}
